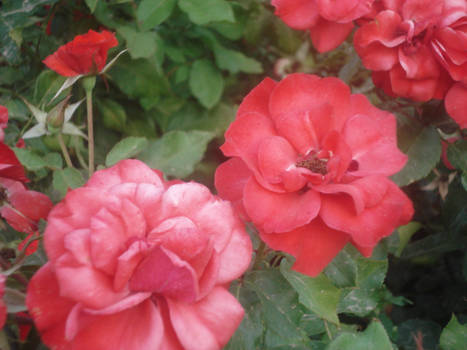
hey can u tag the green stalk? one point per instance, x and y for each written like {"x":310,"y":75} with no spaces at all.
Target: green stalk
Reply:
{"x":66,"y":155}
{"x":88,"y":84}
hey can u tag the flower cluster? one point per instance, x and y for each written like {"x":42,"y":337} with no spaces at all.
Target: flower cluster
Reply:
{"x":329,"y":21}
{"x":310,"y":165}
{"x":416,"y":49}
{"x":136,"y":263}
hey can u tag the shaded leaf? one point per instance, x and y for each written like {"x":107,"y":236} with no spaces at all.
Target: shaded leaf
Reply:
{"x":153,"y":12}
{"x":373,"y":337}
{"x":126,"y":148}
{"x":206,"y":83}
{"x":454,"y":335}
{"x":205,"y":11}
{"x":65,"y":179}
{"x":177,"y":152}
{"x":317,"y":294}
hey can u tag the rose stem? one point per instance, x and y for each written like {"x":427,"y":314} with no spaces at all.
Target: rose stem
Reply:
{"x":66,"y":155}
{"x":88,"y":84}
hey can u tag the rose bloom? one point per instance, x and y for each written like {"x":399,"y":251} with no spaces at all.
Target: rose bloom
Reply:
{"x":309,"y":168}
{"x":417,"y":49}
{"x":329,"y":21}
{"x":136,"y":263}
{"x":85,"y":54}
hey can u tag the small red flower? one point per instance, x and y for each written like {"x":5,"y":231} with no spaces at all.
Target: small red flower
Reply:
{"x":10,"y":167}
{"x":22,"y":208}
{"x":85,"y":54}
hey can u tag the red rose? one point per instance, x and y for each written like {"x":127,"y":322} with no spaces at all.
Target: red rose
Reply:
{"x":455,"y":103}
{"x":329,"y":21}
{"x":85,"y":54}
{"x":309,"y":168}
{"x":22,"y":208}
{"x":139,"y":264}
{"x":418,"y":50}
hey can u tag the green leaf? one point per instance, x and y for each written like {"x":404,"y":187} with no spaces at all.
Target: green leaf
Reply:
{"x":153,"y":12}
{"x":423,"y":147}
{"x":374,"y":337}
{"x":457,"y":154}
{"x":126,"y":148}
{"x":454,"y":335}
{"x":53,"y":160}
{"x":177,"y":152}
{"x":206,"y":83}
{"x":206,"y":11}
{"x":342,"y":270}
{"x":15,"y":300}
{"x":29,"y":159}
{"x":317,"y":294}
{"x":280,"y":310}
{"x":92,"y":4}
{"x":140,"y":44}
{"x":113,"y":115}
{"x":405,"y":233}
{"x":235,"y":61}
{"x":47,"y":85}
{"x":139,"y":79}
{"x":65,"y":179}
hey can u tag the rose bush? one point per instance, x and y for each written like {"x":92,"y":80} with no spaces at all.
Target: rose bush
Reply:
{"x":137,"y":263}
{"x":309,"y":168}
{"x":329,"y":22}
{"x":418,"y":49}
{"x":85,"y":54}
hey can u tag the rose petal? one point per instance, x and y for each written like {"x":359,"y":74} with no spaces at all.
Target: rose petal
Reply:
{"x":279,"y":212}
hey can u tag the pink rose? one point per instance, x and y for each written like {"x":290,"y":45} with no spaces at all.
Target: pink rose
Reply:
{"x":309,"y":168}
{"x":136,"y":263}
{"x":417,"y":47}
{"x":329,"y":21}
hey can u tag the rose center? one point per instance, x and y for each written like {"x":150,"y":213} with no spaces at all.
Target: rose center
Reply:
{"x":314,"y":164}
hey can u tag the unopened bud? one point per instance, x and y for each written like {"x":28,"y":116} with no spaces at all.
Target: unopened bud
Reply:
{"x":56,"y":117}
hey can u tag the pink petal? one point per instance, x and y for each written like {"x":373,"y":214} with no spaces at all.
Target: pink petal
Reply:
{"x":136,"y":328}
{"x":128,"y":170}
{"x":236,"y":257}
{"x":127,"y":263}
{"x":419,"y":90}
{"x":207,"y":324}
{"x":279,"y":212}
{"x":326,"y":35}
{"x":344,"y":11}
{"x":164,"y":273}
{"x":85,"y":284}
{"x":313,"y":246}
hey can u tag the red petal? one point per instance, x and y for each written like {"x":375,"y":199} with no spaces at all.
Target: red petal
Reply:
{"x":230,"y":179}
{"x":326,"y":35}
{"x":375,"y":222}
{"x":257,"y":100}
{"x":313,"y":245}
{"x":32,"y":204}
{"x":279,"y":212}
{"x":298,"y":14}
{"x":456,"y":104}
